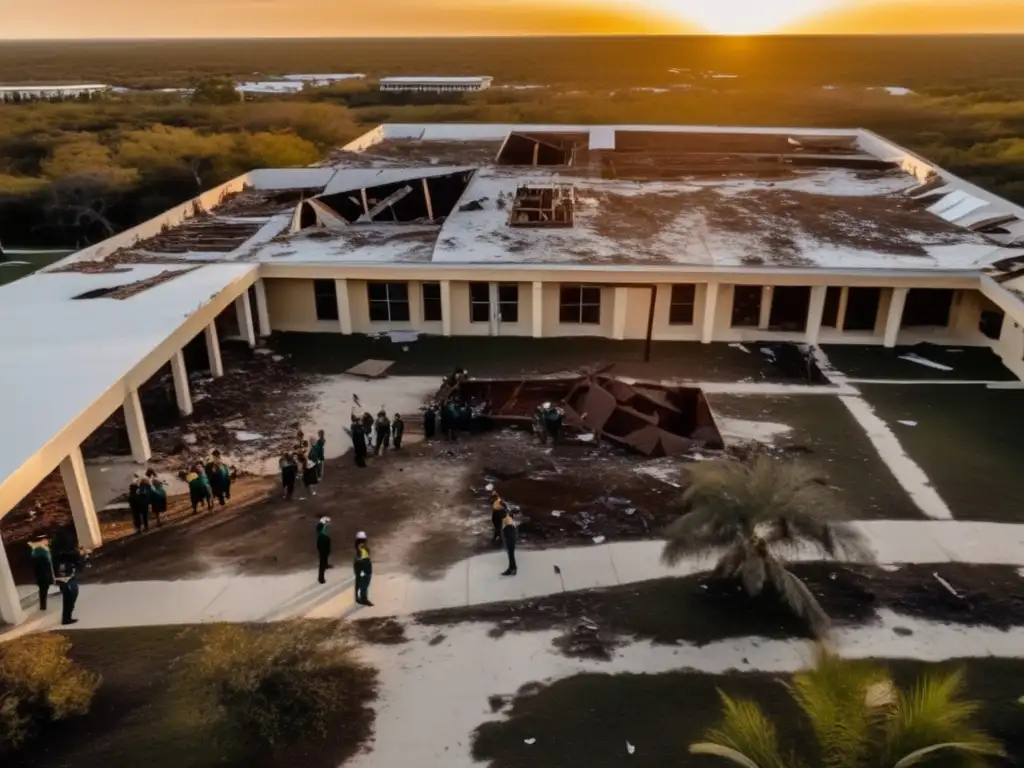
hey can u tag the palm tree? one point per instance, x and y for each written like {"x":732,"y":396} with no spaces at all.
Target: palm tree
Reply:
{"x":860,"y":719}
{"x":753,"y":512}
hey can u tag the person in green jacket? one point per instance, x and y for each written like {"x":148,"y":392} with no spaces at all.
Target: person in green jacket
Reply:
{"x":198,"y":488}
{"x":316,"y":454}
{"x":68,"y":585}
{"x":157,"y":492}
{"x":219,"y":478}
{"x":363,"y":569}
{"x":323,"y":547}
{"x":42,"y":566}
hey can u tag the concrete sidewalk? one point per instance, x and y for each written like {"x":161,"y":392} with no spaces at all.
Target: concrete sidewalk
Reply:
{"x":477,"y":580}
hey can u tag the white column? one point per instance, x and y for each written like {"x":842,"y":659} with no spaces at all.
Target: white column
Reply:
{"x":135,"y":421}
{"x":815,"y":313}
{"x":619,"y":309}
{"x":707,"y":329}
{"x":10,"y":603}
{"x":538,"y":310}
{"x":243,"y":311}
{"x":446,"y":307}
{"x":495,"y":308}
{"x":844,"y":299}
{"x":262,"y":314}
{"x":213,"y":350}
{"x":765,"y":318}
{"x":181,"y":391}
{"x":344,"y":306}
{"x":894,"y":319}
{"x":76,"y":486}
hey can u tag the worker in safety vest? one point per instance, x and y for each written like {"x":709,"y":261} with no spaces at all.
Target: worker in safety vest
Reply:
{"x":363,"y":569}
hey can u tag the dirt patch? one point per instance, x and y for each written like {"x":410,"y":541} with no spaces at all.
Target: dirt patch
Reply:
{"x":380,"y":631}
{"x":699,"y":610}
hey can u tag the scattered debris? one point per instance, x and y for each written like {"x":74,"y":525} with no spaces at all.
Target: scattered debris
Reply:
{"x":437,"y":639}
{"x":908,"y":423}
{"x":599,"y":539}
{"x":557,"y":513}
{"x":948,"y":586}
{"x":903,"y":631}
{"x":741,"y":347}
{"x":631,"y":510}
{"x":371,"y":369}
{"x":529,"y":741}
{"x":247,"y":437}
{"x":630,"y":749}
{"x":912,"y":357}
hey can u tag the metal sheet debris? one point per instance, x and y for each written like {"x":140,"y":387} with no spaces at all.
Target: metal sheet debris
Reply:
{"x":371,"y":369}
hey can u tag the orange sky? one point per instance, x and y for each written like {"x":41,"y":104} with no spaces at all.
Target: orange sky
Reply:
{"x":352,"y":18}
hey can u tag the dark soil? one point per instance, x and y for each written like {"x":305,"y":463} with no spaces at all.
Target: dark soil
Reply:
{"x":587,"y":719}
{"x":384,"y":630}
{"x":967,"y":440}
{"x":875,"y":362}
{"x":699,"y":610}
{"x":140,"y":714}
{"x":827,"y":437}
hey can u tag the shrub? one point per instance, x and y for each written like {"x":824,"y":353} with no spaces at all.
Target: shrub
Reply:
{"x":281,"y":683}
{"x":39,"y":684}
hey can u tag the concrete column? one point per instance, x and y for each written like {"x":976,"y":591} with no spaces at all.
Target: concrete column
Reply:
{"x":181,"y":390}
{"x":243,"y":310}
{"x":815,"y":313}
{"x":10,"y":604}
{"x":262,"y":314}
{"x":894,"y":319}
{"x":213,"y":350}
{"x":538,"y":310}
{"x":76,"y":486}
{"x":495,"y":309}
{"x":765,"y":319}
{"x":844,"y":299}
{"x":707,"y":328}
{"x":619,"y":309}
{"x":135,"y":421}
{"x":446,"y":307}
{"x":344,"y":306}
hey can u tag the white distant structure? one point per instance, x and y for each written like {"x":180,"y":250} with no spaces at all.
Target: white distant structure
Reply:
{"x":50,"y":92}
{"x":325,"y":79}
{"x":435,"y":84}
{"x":270,"y":86}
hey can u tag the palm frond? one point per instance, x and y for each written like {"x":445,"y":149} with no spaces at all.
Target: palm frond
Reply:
{"x":934,"y":712}
{"x":920,"y":755}
{"x":744,"y":731}
{"x":798,"y":597}
{"x":834,"y":695}
{"x":698,"y":531}
{"x":753,"y":573}
{"x":731,"y":561}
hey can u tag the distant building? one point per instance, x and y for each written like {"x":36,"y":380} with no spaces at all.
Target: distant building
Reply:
{"x":435,"y":84}
{"x":19,"y":93}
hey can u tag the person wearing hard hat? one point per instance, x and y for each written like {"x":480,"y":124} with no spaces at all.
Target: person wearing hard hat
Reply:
{"x":323,"y":547}
{"x":498,"y":510}
{"x":363,"y":569}
{"x":508,"y":536}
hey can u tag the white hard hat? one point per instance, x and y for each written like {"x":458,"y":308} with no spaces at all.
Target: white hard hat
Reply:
{"x":489,"y":487}
{"x":361,"y":535}
{"x":325,"y":520}
{"x":546,"y":405}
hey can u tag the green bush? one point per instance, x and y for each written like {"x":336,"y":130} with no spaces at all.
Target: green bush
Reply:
{"x":39,"y":684}
{"x":281,"y":683}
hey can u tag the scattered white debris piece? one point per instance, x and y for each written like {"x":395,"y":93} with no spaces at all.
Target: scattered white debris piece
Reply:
{"x":737,"y":345}
{"x":913,"y":358}
{"x":630,"y":749}
{"x":189,"y":439}
{"x":489,"y":487}
{"x":892,"y":567}
{"x":631,"y":510}
{"x":247,"y":437}
{"x":908,"y":423}
{"x":104,"y":469}
{"x":277,"y":358}
{"x":665,"y":474}
{"x":954,"y":351}
{"x":587,"y":438}
{"x":557,"y":512}
{"x":263,"y":351}
{"x":599,"y":539}
{"x":698,"y":457}
{"x":234,"y":424}
{"x":405,"y":348}
{"x":743,"y":430}
{"x":529,"y":741}
{"x":403,"y":337}
{"x":947,"y":585}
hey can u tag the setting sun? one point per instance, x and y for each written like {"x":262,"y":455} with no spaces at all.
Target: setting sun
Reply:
{"x":742,"y":17}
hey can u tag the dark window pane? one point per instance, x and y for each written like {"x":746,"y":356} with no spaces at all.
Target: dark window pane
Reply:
{"x":400,"y":311}
{"x":325,"y":288}
{"x":746,"y":306}
{"x":680,"y":314}
{"x":569,"y":294}
{"x":684,"y":293}
{"x":508,"y":292}
{"x":509,"y":311}
{"x":479,"y":313}
{"x":591,"y":295}
{"x":379,"y":311}
{"x":591,"y":314}
{"x":568,"y":313}
{"x":377,"y":291}
{"x":431,"y":291}
{"x":830,"y":314}
{"x":326,"y":308}
{"x":432,"y":310}
{"x":480,"y":292}
{"x":398,"y":291}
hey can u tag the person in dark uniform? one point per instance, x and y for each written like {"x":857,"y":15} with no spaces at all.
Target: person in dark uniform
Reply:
{"x":397,"y":430}
{"x":553,"y":417}
{"x":198,"y":489}
{"x":138,"y":503}
{"x":323,"y":548}
{"x":382,"y":433}
{"x":449,"y":420}
{"x":42,"y":567}
{"x":316,"y":453}
{"x":355,"y":431}
{"x":220,"y":478}
{"x":157,"y":492}
{"x":289,"y":471}
{"x":68,"y":585}
{"x":429,"y":421}
{"x":309,"y":475}
{"x":363,"y":568}
{"x":368,"y":428}
{"x":508,"y":536}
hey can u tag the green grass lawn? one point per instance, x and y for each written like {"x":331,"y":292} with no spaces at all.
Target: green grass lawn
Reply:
{"x":968,"y":440}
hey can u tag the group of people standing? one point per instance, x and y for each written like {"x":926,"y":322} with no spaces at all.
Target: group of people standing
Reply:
{"x":361,"y":562}
{"x":208,"y":482}
{"x":63,"y":574}
{"x":147,"y":493}
{"x":381,"y":434}
{"x":303,"y":461}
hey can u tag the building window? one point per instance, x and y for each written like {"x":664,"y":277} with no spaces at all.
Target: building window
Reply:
{"x":325,"y":294}
{"x":746,"y":306}
{"x":508,"y":302}
{"x":680,"y":310}
{"x":579,"y":304}
{"x":389,"y":302}
{"x":479,"y":302}
{"x":432,"y":303}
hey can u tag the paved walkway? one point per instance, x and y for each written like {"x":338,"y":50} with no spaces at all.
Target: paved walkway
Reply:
{"x":476,"y":580}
